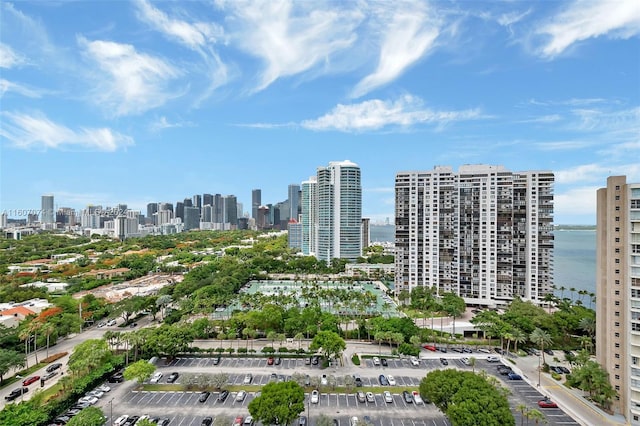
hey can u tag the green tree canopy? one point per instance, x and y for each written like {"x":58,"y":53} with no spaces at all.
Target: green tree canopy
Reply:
{"x":8,"y":360}
{"x":88,"y":355}
{"x":283,"y":401}
{"x":139,"y":370}
{"x":330,"y":344}
{"x":90,"y":416}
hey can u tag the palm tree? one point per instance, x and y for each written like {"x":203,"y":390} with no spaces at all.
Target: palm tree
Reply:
{"x":549,"y":298}
{"x":519,"y":336}
{"x":588,"y":325}
{"x":592,"y":300}
{"x":522,"y":409}
{"x":536,"y":415}
{"x":472,"y":363}
{"x":562,"y":289}
{"x":572,"y":290}
{"x":25,"y":335}
{"x":48,"y":329}
{"x":541,"y":338}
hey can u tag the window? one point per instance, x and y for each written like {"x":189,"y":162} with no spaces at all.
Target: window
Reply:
{"x":617,"y":260}
{"x":617,"y":292}
{"x":617,"y":324}
{"x":617,"y":240}
{"x":617,"y":334}
{"x":617,"y":377}
{"x":617,"y":345}
{"x":617,"y":367}
{"x":617,"y":303}
{"x":617,"y":356}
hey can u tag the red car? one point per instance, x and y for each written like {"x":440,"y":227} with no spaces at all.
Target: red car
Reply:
{"x":29,"y":380}
{"x":430,"y":348}
{"x":547,"y":403}
{"x":238,"y":421}
{"x":270,"y":361}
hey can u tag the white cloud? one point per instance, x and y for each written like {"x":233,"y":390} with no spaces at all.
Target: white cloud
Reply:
{"x":563,"y":145}
{"x":194,"y":36}
{"x":291,"y":37}
{"x":598,"y":119}
{"x":508,"y":19}
{"x":551,"y":118}
{"x":198,"y":36}
{"x":162,"y":123}
{"x":582,"y":173}
{"x":9,"y":58}
{"x":576,"y":203}
{"x":584,"y":19}
{"x":408,"y":34}
{"x":129,"y":82}
{"x":39,"y":132}
{"x":376,"y":114}
{"x":8,"y":86}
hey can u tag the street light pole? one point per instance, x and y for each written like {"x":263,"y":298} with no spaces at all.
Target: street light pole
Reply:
{"x":538,"y":370}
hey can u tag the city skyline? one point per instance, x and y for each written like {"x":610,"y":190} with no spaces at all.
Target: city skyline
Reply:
{"x":139,"y":102}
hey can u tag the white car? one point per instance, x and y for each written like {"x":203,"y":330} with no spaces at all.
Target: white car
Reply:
{"x":103,"y":388}
{"x":121,"y":420}
{"x":415,"y":361}
{"x":91,"y":400}
{"x":388,"y":398}
{"x":376,"y":360}
{"x":465,"y":361}
{"x":247,"y":379}
{"x":98,"y":394}
{"x":493,"y":358}
{"x":241,"y":396}
{"x":248,"y":421}
{"x":370,"y":397}
{"x":110,"y":323}
{"x":391,"y":380}
{"x":156,"y":377}
{"x":354,"y":421}
{"x":484,"y":350}
{"x":417,"y":399}
{"x":324,"y":381}
{"x":315,"y":396}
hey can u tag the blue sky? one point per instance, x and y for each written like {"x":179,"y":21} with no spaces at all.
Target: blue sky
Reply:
{"x":136,"y":102}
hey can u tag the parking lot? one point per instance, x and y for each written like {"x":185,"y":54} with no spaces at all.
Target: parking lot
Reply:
{"x":185,"y":409}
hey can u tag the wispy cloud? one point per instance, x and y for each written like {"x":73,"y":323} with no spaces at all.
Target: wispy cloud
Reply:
{"x":128,"y":82}
{"x":291,"y":37}
{"x":585,"y":19}
{"x":617,"y":120}
{"x":409,"y":31}
{"x":8,"y":86}
{"x":563,"y":145}
{"x":510,"y":18}
{"x":162,"y":123}
{"x":551,"y":118}
{"x":9,"y":58}
{"x":197,"y":36}
{"x":583,"y":173}
{"x":39,"y":132}
{"x":377,"y":114}
{"x":574,"y":203}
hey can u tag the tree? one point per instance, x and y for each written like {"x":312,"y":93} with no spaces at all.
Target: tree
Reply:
{"x":139,"y":370}
{"x":89,"y":355}
{"x":281,"y":402}
{"x":90,"y":416}
{"x":219,"y":380}
{"x":541,"y":338}
{"x":454,"y":306}
{"x":329,"y":342}
{"x":169,"y":340}
{"x":10,"y":359}
{"x":535,"y":415}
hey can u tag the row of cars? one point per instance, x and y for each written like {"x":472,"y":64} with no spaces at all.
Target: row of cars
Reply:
{"x":238,"y":421}
{"x":408,"y":397}
{"x":505,"y":370}
{"x":126,"y":420}
{"x":51,"y":370}
{"x":88,"y":400}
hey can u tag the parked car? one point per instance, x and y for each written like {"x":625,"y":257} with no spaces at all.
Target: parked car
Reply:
{"x":383,"y":380}
{"x":315,"y":360}
{"x":163,"y":422}
{"x":156,"y":377}
{"x":98,"y":394}
{"x":49,"y":375}
{"x":376,"y":361}
{"x":270,"y":360}
{"x":53,"y":367}
{"x":116,"y":378}
{"x":29,"y":380}
{"x":238,"y":421}
{"x":133,"y":325}
{"x":204,"y":396}
{"x":358,"y":381}
{"x":173,"y":377}
{"x":323,"y":380}
{"x":391,"y":380}
{"x":370,"y":397}
{"x":444,"y":361}
{"x":514,"y":376}
{"x":248,"y":421}
{"x":484,"y":350}
{"x":206,"y":421}
{"x":384,"y":362}
{"x":278,"y":361}
{"x":16,"y":393}
{"x":417,"y":398}
{"x":302,"y":421}
{"x":548,"y":352}
{"x":307,"y":361}
{"x":354,"y":421}
{"x":121,"y":420}
{"x":547,"y":403}
{"x":223,"y":395}
{"x":315,"y":396}
{"x":361,"y":396}
{"x":493,"y":358}
{"x":564,"y":369}
{"x":91,"y":400}
{"x":388,"y":398}
{"x":430,"y":348}
{"x":415,"y":361}
{"x":111,"y":322}
{"x":247,"y":379}
{"x":408,"y":398}
{"x":241,"y":395}
{"x":216,"y":360}
{"x":465,"y":360}
{"x":103,"y":388}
